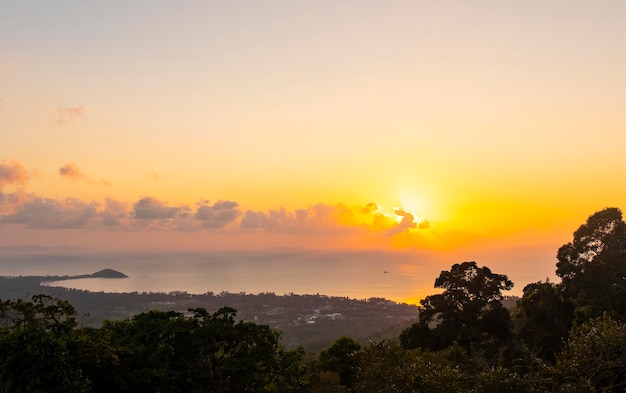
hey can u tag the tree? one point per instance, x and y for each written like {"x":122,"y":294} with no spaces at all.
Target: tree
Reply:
{"x":171,"y":352}
{"x":39,"y":348}
{"x":386,"y":368}
{"x":594,"y":358}
{"x":593,"y":266}
{"x":341,"y":358}
{"x":468,"y":310}
{"x":545,"y":319}
{"x":155,"y":352}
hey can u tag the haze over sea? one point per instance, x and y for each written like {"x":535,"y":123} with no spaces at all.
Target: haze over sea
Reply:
{"x":398,"y":276}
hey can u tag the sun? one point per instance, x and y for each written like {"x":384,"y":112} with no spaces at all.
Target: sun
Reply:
{"x":414,"y":204}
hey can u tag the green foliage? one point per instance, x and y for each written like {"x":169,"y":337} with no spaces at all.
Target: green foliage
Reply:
{"x":594,"y":357}
{"x":170,"y":352}
{"x":341,"y":358}
{"x":384,"y":367}
{"x":39,"y":349}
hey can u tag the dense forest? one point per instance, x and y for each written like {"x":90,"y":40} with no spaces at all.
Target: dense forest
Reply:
{"x":561,"y":337}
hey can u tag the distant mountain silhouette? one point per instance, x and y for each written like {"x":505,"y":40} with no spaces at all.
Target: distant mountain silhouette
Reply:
{"x":108,"y":273}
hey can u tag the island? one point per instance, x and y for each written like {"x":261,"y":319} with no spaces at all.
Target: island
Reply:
{"x":107,"y":273}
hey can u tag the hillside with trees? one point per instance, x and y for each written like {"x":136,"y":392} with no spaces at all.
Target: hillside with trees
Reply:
{"x":561,"y":337}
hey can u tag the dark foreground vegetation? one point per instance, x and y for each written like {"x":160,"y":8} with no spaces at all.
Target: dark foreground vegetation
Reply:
{"x":565,"y":337}
{"x":311,"y":321}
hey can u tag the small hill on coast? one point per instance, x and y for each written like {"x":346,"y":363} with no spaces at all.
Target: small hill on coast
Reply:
{"x":108,"y":273}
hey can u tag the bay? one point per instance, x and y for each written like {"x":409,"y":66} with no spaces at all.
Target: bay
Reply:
{"x":354,"y":274}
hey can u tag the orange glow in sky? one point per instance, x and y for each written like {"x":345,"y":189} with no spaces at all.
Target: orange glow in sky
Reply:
{"x":488,"y":130}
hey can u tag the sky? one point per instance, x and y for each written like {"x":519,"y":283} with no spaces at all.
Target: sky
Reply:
{"x":482,"y":130}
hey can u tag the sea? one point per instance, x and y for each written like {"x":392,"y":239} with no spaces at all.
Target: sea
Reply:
{"x":396,"y":276}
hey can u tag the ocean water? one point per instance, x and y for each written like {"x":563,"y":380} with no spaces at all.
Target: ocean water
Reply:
{"x":360,"y":275}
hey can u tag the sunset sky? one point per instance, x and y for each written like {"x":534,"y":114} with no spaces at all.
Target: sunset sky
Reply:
{"x":464,"y":130}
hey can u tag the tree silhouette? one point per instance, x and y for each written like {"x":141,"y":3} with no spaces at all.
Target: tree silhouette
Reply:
{"x":593,"y":266}
{"x":468,"y":311}
{"x":545,"y":319}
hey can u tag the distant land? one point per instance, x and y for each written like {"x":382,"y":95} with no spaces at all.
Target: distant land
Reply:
{"x":108,"y":273}
{"x":311,"y":321}
{"x":104,"y":273}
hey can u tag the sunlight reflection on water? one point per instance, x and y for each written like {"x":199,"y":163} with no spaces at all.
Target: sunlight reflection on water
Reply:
{"x":351,"y":274}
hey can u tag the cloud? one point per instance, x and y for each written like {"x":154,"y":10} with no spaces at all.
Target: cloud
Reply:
{"x":12,"y":172}
{"x":218,"y":215}
{"x":272,"y":221}
{"x":360,"y":224}
{"x":71,"y":171}
{"x":332,"y":220}
{"x":319,"y":219}
{"x":407,"y":222}
{"x":152,"y":209}
{"x":45,"y":213}
{"x":9,"y":202}
{"x":115,"y":213}
{"x":67,"y":115}
{"x":370,"y":208}
{"x":255,"y":220}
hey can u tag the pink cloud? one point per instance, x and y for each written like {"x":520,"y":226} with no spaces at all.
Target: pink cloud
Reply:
{"x":45,"y":213}
{"x":115,"y":213}
{"x":356,"y":225}
{"x":218,"y":215}
{"x":152,"y":209}
{"x":70,"y":171}
{"x":12,"y":172}
{"x":332,"y":220}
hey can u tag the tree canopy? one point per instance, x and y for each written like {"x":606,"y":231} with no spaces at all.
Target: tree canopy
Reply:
{"x":42,"y":350}
{"x":593,"y":266}
{"x":466,"y":311}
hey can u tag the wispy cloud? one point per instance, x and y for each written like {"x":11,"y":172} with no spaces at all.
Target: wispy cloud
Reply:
{"x":67,"y":115}
{"x":71,"y":171}
{"x":12,"y":172}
